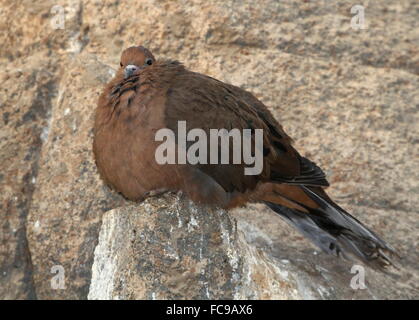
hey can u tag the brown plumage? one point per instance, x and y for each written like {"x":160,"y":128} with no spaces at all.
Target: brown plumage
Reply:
{"x":147,"y":95}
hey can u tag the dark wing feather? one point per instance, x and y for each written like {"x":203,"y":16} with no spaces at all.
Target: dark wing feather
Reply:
{"x":304,"y":171}
{"x":310,"y":175}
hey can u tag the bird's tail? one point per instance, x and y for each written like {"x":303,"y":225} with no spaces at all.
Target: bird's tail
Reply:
{"x":330,"y":227}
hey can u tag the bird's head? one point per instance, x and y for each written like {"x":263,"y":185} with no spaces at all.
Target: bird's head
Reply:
{"x":134,"y":59}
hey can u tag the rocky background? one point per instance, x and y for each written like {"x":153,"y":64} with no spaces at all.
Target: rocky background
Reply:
{"x":349,"y":97}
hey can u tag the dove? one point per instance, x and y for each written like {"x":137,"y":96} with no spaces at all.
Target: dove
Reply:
{"x":148,"y":95}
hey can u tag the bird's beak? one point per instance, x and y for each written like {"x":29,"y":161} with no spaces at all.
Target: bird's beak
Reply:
{"x":129,"y":70}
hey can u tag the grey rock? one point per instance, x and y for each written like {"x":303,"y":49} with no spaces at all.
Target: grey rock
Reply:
{"x":169,"y":248}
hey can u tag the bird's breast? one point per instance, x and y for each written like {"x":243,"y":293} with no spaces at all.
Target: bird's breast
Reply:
{"x":124,"y":145}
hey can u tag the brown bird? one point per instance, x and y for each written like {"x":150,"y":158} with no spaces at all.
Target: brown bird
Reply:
{"x":148,"y":94}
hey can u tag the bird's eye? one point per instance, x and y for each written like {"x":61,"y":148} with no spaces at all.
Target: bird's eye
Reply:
{"x":121,"y":64}
{"x":149,"y":61}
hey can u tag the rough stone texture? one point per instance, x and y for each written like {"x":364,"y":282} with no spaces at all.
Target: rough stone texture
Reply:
{"x":26,"y":99}
{"x":349,"y":97}
{"x":66,"y":208}
{"x":169,"y":248}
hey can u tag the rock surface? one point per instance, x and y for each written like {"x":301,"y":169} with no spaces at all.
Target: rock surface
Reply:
{"x":169,"y":248}
{"x":349,"y":98}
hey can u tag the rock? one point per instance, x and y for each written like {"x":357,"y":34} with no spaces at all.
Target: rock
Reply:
{"x":26,"y":101}
{"x":66,"y":207}
{"x":170,"y":248}
{"x":348,"y":97}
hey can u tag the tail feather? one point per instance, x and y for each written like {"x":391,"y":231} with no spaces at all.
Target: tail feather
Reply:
{"x":335,"y":231}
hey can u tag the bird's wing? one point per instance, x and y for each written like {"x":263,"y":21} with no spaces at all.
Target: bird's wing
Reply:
{"x":207,"y":103}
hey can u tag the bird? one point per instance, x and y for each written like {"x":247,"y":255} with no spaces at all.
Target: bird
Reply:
{"x":149,"y":94}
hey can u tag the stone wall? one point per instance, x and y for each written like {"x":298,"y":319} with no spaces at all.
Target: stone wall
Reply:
{"x":349,"y":98}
